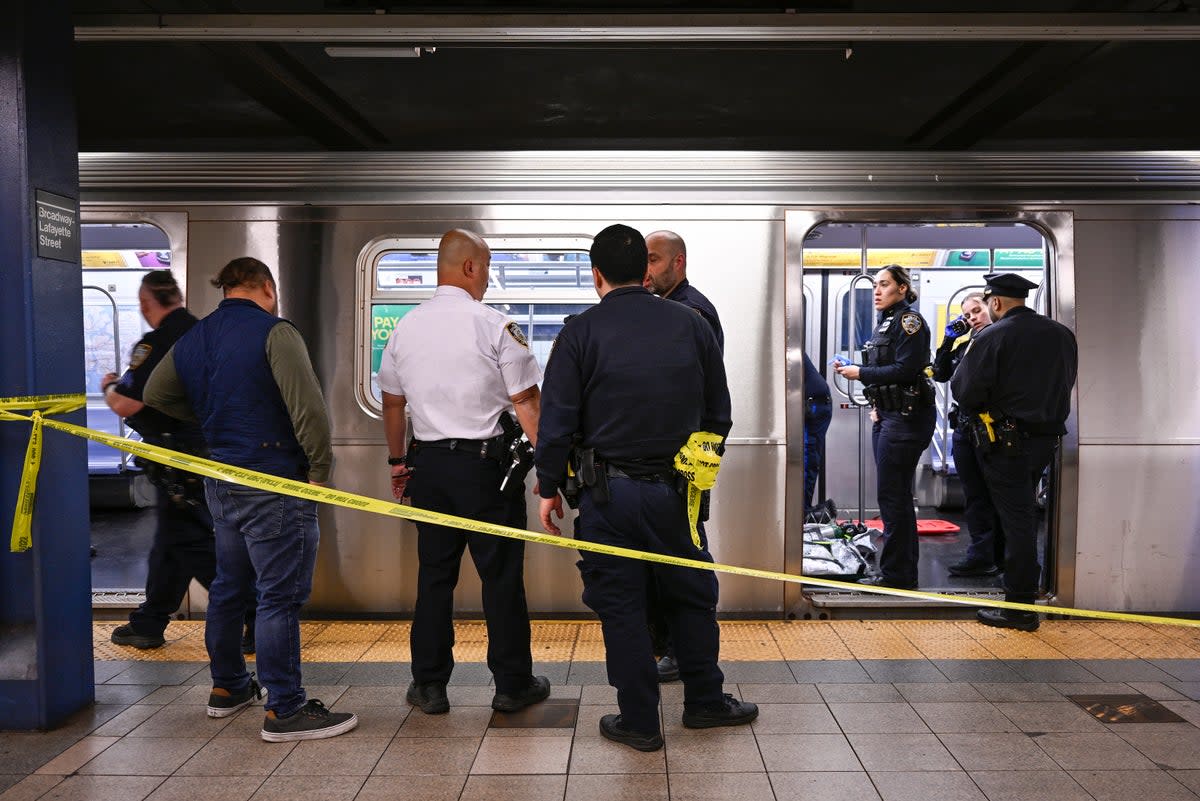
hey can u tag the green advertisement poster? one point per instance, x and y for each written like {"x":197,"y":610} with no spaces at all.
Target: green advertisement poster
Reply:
{"x":384,"y":317}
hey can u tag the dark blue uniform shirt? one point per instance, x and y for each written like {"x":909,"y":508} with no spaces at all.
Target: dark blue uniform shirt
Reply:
{"x":635,"y":376}
{"x":147,"y":353}
{"x":899,"y":349}
{"x":693,"y":298}
{"x":1022,"y":366}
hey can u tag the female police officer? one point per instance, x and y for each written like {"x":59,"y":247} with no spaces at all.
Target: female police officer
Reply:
{"x":902,"y":410}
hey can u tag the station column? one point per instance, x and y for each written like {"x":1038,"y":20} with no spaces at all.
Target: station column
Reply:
{"x":46,"y":670}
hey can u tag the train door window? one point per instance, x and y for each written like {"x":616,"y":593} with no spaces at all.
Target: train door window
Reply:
{"x":114,"y":259}
{"x":536,"y":281}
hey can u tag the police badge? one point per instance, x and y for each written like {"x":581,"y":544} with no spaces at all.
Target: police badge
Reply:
{"x":516,"y":333}
{"x":911,"y":322}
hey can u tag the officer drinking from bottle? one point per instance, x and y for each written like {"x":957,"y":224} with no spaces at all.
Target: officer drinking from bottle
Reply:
{"x":1014,"y":396}
{"x":985,"y":553}
{"x":901,"y":397}
{"x":462,"y":368}
{"x":642,"y":385}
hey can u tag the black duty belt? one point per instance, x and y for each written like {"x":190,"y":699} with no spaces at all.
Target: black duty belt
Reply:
{"x":483,"y":448}
{"x":664,"y":477}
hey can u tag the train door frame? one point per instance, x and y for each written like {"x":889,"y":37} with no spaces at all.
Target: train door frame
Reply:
{"x":1057,"y":228}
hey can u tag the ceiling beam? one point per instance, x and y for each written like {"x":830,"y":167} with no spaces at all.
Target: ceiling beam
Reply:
{"x":584,"y":29}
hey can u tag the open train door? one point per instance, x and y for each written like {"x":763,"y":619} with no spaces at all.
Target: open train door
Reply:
{"x":832,"y":257}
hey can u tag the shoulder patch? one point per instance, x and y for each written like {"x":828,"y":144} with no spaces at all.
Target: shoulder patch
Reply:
{"x":911,"y":322}
{"x":139,"y":355}
{"x":516,"y":333}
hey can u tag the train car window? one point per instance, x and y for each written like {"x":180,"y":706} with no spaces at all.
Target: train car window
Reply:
{"x":114,"y":259}
{"x":538,"y":282}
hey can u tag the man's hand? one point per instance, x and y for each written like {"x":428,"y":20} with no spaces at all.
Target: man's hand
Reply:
{"x":849,"y":371}
{"x":551,"y":505}
{"x":400,"y":475}
{"x":109,"y":378}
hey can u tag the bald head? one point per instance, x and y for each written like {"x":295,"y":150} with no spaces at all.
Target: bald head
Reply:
{"x":666,"y":262}
{"x":463,"y":261}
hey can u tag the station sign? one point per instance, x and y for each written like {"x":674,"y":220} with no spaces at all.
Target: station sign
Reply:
{"x":56,"y":223}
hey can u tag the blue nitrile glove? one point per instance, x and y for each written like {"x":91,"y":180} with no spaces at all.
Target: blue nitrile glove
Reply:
{"x":840,"y":361}
{"x":957,"y":328}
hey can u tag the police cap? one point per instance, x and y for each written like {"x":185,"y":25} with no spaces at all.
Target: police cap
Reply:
{"x":1007,"y":285}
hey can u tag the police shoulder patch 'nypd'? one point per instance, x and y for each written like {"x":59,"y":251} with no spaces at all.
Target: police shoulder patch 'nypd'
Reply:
{"x":516,"y":333}
{"x":139,"y":355}
{"x":911,"y":322}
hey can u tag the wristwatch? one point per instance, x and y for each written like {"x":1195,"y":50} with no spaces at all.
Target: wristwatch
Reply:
{"x":395,"y":460}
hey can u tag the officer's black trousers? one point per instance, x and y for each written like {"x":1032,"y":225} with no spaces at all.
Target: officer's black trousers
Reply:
{"x":1012,"y":476}
{"x":183,"y":549}
{"x":898,"y":443}
{"x":986,"y":532}
{"x":649,"y":516}
{"x":460,"y":483}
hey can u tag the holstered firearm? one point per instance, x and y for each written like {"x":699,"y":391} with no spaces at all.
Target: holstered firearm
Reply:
{"x":571,"y":486}
{"x":183,"y":489}
{"x":520,"y":456}
{"x":593,"y":475}
{"x":994,"y":434}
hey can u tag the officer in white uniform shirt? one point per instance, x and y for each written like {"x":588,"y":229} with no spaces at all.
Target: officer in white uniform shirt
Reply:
{"x":458,"y":366}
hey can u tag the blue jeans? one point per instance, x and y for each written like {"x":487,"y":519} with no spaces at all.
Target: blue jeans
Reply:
{"x":266,"y":546}
{"x":818,"y":413}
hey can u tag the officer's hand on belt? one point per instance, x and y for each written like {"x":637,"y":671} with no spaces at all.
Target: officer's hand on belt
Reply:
{"x":109,"y":378}
{"x":548,"y":506}
{"x":400,"y":475}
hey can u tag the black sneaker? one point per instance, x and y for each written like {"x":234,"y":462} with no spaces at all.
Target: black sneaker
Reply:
{"x":310,"y":722}
{"x":611,"y":728}
{"x":668,"y":669}
{"x":728,"y":712}
{"x":223,"y":703}
{"x":1008,"y":619}
{"x":429,"y":697}
{"x":125,"y":635}
{"x":538,"y":690}
{"x":966,"y":568}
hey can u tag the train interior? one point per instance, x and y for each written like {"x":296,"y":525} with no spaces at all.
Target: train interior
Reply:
{"x":541,"y":282}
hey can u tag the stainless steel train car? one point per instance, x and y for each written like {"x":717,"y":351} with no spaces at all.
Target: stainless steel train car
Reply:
{"x":783,"y":244}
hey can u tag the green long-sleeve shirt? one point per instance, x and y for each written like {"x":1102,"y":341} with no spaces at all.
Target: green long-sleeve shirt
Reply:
{"x":297,"y":381}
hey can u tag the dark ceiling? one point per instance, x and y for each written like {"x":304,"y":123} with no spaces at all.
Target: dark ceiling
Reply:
{"x":943,"y":93}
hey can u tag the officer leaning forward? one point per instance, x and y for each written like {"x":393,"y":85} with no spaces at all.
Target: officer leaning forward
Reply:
{"x":184,"y":547}
{"x":461,"y":368}
{"x":1013,"y":388}
{"x":638,"y":380}
{"x":903,"y":413}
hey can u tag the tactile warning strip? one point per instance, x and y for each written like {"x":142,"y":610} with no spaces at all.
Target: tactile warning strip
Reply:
{"x":746,"y":641}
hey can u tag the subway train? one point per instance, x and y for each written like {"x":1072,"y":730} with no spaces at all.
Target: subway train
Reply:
{"x":784,"y":244}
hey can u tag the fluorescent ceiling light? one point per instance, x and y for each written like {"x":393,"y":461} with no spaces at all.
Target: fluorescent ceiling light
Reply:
{"x":376,"y":52}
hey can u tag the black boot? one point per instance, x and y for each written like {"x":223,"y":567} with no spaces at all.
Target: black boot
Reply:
{"x":1008,"y":619}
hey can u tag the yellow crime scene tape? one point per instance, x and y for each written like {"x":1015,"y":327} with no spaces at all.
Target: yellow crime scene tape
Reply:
{"x":52,"y":404}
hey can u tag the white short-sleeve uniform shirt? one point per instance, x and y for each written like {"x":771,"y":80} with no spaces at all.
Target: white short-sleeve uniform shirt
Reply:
{"x":458,"y":363}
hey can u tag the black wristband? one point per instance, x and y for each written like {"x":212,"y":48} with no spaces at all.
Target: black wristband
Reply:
{"x":395,"y":460}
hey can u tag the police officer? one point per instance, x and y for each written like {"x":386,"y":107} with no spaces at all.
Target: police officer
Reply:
{"x":183,"y":537}
{"x":459,"y":366}
{"x":903,"y":414}
{"x":986,"y":549}
{"x":818,"y":413}
{"x":635,"y":379}
{"x":1014,"y":393}
{"x":666,"y":276}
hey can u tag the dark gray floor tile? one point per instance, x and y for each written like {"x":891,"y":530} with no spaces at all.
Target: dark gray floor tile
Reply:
{"x":902,"y":670}
{"x":807,"y":752}
{"x":997,"y":751}
{"x":1011,"y":692}
{"x":556,"y":672}
{"x":123,"y":694}
{"x":1172,"y":750}
{"x":1191,"y":689}
{"x":756,"y":672}
{"x":982,"y":670}
{"x":969,"y":716}
{"x":795,"y":719}
{"x":1125,"y":670}
{"x":826,"y":786}
{"x":828,"y":671}
{"x":159,"y":673}
{"x":104,"y":788}
{"x":721,"y":787}
{"x":588,"y":673}
{"x":786,"y":693}
{"x":90,"y":718}
{"x":378,"y":674}
{"x":310,"y":788}
{"x":878,"y":718}
{"x":1157,"y":691}
{"x":1050,"y":670}
{"x":1121,"y":785}
{"x":860,"y":693}
{"x":471,"y":674}
{"x":1182,"y":669}
{"x":106,"y":669}
{"x":938,"y":692}
{"x":327,"y":673}
{"x":1189,"y":779}
{"x":903,"y":752}
{"x":208,"y":788}
{"x":1092,"y":751}
{"x":25,"y":752}
{"x":9,"y":779}
{"x":1050,"y":716}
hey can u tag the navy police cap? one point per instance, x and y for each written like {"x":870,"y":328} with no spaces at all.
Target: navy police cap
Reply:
{"x":1007,"y":285}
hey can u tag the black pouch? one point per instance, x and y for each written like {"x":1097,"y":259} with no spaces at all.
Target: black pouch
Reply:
{"x":593,"y":475}
{"x":910,"y":400}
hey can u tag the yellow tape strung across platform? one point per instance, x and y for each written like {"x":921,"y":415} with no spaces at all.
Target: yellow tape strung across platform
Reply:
{"x":349,"y":500}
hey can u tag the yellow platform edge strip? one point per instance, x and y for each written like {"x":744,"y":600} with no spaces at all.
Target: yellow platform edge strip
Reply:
{"x":54,"y":404}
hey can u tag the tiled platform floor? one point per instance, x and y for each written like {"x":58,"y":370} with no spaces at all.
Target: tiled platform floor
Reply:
{"x":928,"y":723}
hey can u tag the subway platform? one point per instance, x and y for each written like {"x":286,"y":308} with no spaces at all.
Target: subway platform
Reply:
{"x":856,"y":710}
